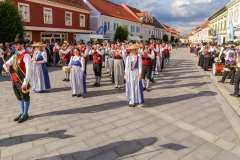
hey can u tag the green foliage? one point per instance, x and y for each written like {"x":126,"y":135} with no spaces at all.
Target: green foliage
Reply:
{"x":176,"y":40}
{"x":172,"y":39}
{"x":165,"y":38}
{"x":121,"y":33}
{"x":10,"y":22}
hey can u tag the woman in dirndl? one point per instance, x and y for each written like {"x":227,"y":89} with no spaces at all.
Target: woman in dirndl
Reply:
{"x":133,"y":71}
{"x":40,"y":76}
{"x":77,"y":65}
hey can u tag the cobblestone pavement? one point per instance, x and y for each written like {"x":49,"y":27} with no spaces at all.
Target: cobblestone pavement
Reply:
{"x":182,"y":120}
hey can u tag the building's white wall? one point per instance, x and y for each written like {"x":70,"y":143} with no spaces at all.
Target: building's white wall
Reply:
{"x":234,"y":16}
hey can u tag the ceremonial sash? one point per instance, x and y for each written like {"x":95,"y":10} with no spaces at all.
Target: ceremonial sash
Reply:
{"x":19,"y":72}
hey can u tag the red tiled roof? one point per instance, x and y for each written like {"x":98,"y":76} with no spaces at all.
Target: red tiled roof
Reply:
{"x":73,"y":3}
{"x":109,"y":8}
{"x":170,"y":29}
{"x":138,"y":13}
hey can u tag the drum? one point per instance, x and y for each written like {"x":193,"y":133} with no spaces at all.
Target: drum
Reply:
{"x":218,"y":68}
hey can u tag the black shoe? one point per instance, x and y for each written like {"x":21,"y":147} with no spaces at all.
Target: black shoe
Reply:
{"x":79,"y":95}
{"x":64,"y":80}
{"x":221,"y":81}
{"x":148,"y":89}
{"x":235,"y":95}
{"x":67,"y":80}
{"x":74,"y":95}
{"x":17,"y":118}
{"x":98,"y":85}
{"x":130,"y":105}
{"x":23,"y":118}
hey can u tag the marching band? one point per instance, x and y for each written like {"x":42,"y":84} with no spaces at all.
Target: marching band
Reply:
{"x":133,"y":65}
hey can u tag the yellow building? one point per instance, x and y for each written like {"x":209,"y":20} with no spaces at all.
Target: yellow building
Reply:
{"x":218,"y":26}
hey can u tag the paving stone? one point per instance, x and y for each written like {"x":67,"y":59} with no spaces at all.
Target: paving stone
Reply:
{"x":181,"y":110}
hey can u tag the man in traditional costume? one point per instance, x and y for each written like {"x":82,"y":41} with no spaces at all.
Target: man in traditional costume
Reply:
{"x":65,"y":54}
{"x":147,"y":62}
{"x":97,"y":64}
{"x":133,"y":72}
{"x":19,"y":66}
{"x":118,"y":68}
{"x":40,"y":76}
{"x":237,"y":75}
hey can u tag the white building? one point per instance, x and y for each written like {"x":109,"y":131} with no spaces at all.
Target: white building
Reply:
{"x":233,"y":21}
{"x":106,"y":16}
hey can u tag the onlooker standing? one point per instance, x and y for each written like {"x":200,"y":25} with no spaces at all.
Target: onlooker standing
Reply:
{"x":237,"y":75}
{"x":1,"y":60}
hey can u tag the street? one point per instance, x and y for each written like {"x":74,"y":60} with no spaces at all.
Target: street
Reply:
{"x":183,"y":119}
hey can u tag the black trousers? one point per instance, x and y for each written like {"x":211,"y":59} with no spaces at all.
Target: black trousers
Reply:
{"x":237,"y":81}
{"x":230,"y":73}
{"x":97,"y":68}
{"x":18,"y":92}
{"x":206,"y":63}
{"x":162,"y":63}
{"x":146,"y":71}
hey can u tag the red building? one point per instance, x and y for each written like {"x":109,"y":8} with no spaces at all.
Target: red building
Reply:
{"x":54,"y":20}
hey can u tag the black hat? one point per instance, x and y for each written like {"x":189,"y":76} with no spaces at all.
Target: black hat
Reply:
{"x":19,"y":40}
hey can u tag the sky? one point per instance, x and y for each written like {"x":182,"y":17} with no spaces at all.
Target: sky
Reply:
{"x":182,"y":14}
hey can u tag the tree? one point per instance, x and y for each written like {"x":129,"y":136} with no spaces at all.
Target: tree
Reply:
{"x":165,"y":38}
{"x":121,"y":33}
{"x":172,"y":39}
{"x":10,"y":22}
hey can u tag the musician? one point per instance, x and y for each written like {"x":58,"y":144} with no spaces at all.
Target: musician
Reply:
{"x":147,"y":62}
{"x":97,"y":64}
{"x":118,"y":67}
{"x":84,"y":51}
{"x":229,"y":65}
{"x":133,"y":71}
{"x":65,"y":54}
{"x":19,"y":66}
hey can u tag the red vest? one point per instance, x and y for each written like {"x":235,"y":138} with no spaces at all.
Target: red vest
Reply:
{"x":117,"y":56}
{"x":145,"y":59}
{"x":21,"y":64}
{"x":83,"y":52}
{"x":97,"y":58}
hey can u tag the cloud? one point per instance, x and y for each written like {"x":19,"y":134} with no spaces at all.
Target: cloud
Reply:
{"x":183,"y":14}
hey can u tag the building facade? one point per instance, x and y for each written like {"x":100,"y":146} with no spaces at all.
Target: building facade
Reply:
{"x":53,"y":20}
{"x":106,"y":16}
{"x":233,"y":21}
{"x":218,"y":26}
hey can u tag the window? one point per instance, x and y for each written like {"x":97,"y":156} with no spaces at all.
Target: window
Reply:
{"x":48,"y":16}
{"x":235,"y":16}
{"x":24,"y":10}
{"x":138,"y":29}
{"x":132,"y":28}
{"x":115,"y":26}
{"x":68,"y":18}
{"x":82,"y":20}
{"x":108,"y":26}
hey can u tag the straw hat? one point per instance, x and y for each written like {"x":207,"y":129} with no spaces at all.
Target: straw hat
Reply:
{"x":133,"y":47}
{"x":38,"y":44}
